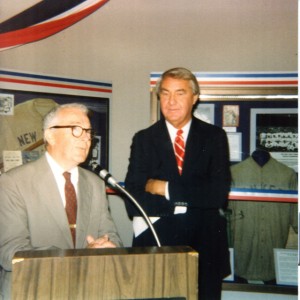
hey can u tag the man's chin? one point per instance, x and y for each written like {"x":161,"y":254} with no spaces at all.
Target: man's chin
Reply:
{"x":80,"y":159}
{"x":172,"y":118}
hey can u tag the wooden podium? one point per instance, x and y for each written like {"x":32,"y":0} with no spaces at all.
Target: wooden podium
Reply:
{"x":119,"y":273}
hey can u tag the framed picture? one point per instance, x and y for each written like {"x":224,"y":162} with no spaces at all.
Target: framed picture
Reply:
{"x":205,"y":112}
{"x":276,"y":131}
{"x":26,"y":98}
{"x":231,"y":115}
{"x":235,"y":146}
{"x":286,"y":268}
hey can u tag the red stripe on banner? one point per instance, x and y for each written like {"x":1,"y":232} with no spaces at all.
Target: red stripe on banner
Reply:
{"x":67,"y":86}
{"x":40,"y":31}
{"x":283,"y":82}
{"x":267,"y":199}
{"x":242,"y":198}
{"x":290,"y":82}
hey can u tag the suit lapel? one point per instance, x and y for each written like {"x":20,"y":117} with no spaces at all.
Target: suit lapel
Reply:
{"x":52,"y":199}
{"x":193,"y":147}
{"x":57,"y":209}
{"x":164,"y":146}
{"x":84,"y":209}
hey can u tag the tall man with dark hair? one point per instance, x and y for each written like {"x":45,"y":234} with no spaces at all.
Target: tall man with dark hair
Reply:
{"x":179,"y":173}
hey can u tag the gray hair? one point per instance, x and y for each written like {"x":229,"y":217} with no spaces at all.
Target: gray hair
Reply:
{"x":179,"y":73}
{"x":52,"y":114}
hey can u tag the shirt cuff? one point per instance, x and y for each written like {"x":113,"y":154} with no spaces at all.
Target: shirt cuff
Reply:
{"x":167,"y":195}
{"x":178,"y":209}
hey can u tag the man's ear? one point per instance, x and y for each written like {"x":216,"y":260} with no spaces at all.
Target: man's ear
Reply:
{"x":196,"y":97}
{"x":49,"y":136}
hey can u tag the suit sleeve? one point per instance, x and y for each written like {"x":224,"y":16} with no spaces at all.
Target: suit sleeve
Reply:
{"x":101,"y":212}
{"x":145,"y":163}
{"x":14,"y":230}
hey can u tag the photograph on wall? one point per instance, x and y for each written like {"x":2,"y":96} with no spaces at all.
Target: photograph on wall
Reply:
{"x":276,"y":131}
{"x":231,"y":115}
{"x":6,"y":104}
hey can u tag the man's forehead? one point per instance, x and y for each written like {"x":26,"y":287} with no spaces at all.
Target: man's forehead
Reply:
{"x":175,"y":84}
{"x":72,"y":115}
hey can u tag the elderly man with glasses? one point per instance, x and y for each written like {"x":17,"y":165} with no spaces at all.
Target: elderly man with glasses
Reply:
{"x":35,"y":209}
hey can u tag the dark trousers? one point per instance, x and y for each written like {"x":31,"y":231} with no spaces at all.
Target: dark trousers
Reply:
{"x":205,"y":232}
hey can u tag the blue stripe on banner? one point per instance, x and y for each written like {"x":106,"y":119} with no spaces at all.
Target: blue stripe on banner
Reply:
{"x":237,"y":75}
{"x":286,"y":192}
{"x":54,"y":78}
{"x":38,"y":13}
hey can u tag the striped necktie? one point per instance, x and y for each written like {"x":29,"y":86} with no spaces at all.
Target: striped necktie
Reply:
{"x":179,"y":150}
{"x":71,"y":204}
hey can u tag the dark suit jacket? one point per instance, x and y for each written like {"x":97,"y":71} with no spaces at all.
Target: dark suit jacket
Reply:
{"x":203,"y":187}
{"x":205,"y":179}
{"x":32,"y":215}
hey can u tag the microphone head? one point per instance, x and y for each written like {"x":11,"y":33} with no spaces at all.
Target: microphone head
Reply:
{"x":107,"y":177}
{"x":96,"y":168}
{"x":104,"y":174}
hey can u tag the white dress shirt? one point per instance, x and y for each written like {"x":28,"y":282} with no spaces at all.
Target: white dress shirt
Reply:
{"x":173,"y":132}
{"x":60,"y":179}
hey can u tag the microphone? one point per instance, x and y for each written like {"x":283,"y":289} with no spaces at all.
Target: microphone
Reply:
{"x":109,"y":179}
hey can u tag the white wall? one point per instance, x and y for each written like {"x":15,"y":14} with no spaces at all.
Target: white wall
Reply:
{"x":126,"y":40}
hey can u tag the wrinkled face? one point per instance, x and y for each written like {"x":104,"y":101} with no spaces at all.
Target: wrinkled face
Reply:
{"x":68,"y":150}
{"x":176,"y":101}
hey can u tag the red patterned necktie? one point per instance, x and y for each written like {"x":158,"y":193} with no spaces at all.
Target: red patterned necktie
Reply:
{"x":179,"y":150}
{"x":71,"y":204}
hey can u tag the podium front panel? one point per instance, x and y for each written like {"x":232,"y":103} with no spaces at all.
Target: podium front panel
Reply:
{"x":119,"y":273}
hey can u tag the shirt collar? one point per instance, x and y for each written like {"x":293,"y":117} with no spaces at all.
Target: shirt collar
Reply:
{"x":58,"y":170}
{"x":173,"y":131}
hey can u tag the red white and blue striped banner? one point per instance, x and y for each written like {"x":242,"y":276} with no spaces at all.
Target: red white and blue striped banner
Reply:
{"x":44,"y":19}
{"x":253,"y":195}
{"x":53,"y":84}
{"x":263,"y":195}
{"x":230,"y":79}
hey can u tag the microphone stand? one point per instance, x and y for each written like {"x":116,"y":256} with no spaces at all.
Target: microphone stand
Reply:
{"x":119,"y":187}
{"x":107,"y":177}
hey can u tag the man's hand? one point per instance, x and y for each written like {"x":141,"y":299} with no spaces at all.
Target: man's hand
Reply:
{"x":102,"y":242}
{"x":156,"y":187}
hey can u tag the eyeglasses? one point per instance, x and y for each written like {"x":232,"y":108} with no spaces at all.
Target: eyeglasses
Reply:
{"x":77,"y":131}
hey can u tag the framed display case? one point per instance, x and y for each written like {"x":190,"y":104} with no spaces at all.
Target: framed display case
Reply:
{"x":259,"y":112}
{"x":24,"y":100}
{"x":233,"y":101}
